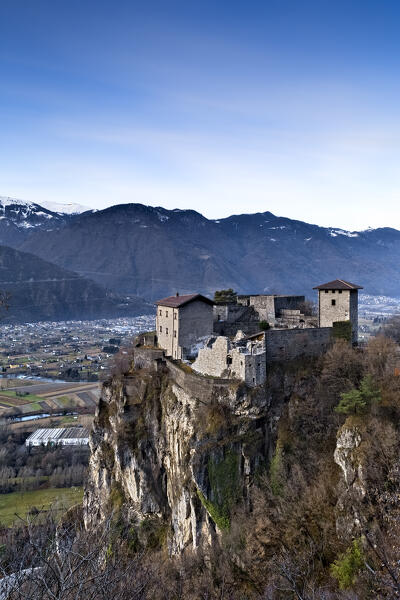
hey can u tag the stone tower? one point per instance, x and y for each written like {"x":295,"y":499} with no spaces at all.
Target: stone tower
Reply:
{"x":338,"y":301}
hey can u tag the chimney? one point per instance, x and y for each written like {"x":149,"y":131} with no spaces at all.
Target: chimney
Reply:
{"x":177,"y":294}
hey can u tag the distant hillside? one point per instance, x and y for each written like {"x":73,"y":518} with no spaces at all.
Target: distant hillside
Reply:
{"x":40,"y":291}
{"x":152,"y":252}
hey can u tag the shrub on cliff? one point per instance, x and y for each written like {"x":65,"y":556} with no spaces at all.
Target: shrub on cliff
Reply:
{"x":358,"y":401}
{"x":346,"y":568}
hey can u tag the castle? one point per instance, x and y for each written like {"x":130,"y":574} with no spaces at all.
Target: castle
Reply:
{"x":241,"y":337}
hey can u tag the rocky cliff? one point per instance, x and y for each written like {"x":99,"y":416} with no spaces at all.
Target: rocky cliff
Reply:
{"x":180,"y":450}
{"x":272,"y":482}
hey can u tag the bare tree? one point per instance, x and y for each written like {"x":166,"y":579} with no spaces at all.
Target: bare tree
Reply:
{"x":380,"y":354}
{"x":65,"y":562}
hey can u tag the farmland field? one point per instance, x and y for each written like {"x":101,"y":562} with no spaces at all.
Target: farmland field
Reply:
{"x":15,"y":506}
{"x":49,"y":398}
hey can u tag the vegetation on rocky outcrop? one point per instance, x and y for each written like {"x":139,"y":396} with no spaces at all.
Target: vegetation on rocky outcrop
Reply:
{"x":263,"y":493}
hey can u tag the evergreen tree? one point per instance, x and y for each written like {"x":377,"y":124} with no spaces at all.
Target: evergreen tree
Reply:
{"x":357,"y":401}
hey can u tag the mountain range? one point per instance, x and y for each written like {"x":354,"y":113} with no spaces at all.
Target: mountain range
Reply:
{"x":137,"y":250}
{"x":42,"y":290}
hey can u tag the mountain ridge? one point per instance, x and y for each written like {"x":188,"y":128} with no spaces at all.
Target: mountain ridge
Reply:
{"x":153,"y":252}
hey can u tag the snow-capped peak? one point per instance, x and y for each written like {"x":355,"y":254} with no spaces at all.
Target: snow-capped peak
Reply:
{"x":66,"y":209}
{"x":336,"y":232}
{"x":7,"y":201}
{"x":56,"y":207}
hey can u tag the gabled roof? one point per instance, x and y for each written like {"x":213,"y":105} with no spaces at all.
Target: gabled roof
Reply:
{"x":179,"y":301}
{"x":338,"y":284}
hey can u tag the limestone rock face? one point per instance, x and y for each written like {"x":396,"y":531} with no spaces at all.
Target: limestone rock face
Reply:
{"x":353,"y":486}
{"x":179,"y":450}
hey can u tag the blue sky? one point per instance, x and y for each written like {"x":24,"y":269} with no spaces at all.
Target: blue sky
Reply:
{"x":290,"y":106}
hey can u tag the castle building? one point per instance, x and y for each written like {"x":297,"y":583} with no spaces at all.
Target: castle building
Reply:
{"x":338,"y":301}
{"x":181,"y":321}
{"x":242,"y":339}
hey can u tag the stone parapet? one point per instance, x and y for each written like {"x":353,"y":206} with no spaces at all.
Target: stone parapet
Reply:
{"x":288,"y":344}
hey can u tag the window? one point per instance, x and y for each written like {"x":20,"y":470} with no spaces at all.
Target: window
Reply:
{"x":326,"y":291}
{"x":333,"y":302}
{"x":174,"y":333}
{"x":340,"y":291}
{"x":160,"y":328}
{"x":166,"y":313}
{"x":166,"y":330}
{"x":160,"y":313}
{"x":174,"y":315}
{"x":333,"y":291}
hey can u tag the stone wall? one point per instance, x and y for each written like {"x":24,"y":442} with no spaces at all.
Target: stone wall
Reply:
{"x":146,"y":358}
{"x":354,"y":315}
{"x":251,"y":368}
{"x":264,"y":307}
{"x":220,"y":358}
{"x":200,"y":387}
{"x":287,"y":303}
{"x":269,"y":306}
{"x":288,"y":344}
{"x":229,"y":312}
{"x":195,"y":322}
{"x":234,"y":318}
{"x":212,"y":359}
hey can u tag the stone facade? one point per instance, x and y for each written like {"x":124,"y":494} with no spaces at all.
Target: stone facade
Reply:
{"x":339,"y":305}
{"x":180,"y":328}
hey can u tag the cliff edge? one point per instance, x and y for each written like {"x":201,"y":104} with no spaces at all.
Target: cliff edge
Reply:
{"x":178,"y":451}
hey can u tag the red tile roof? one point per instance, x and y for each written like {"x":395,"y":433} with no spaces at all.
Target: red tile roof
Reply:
{"x":338,"y":284}
{"x":178,"y":301}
